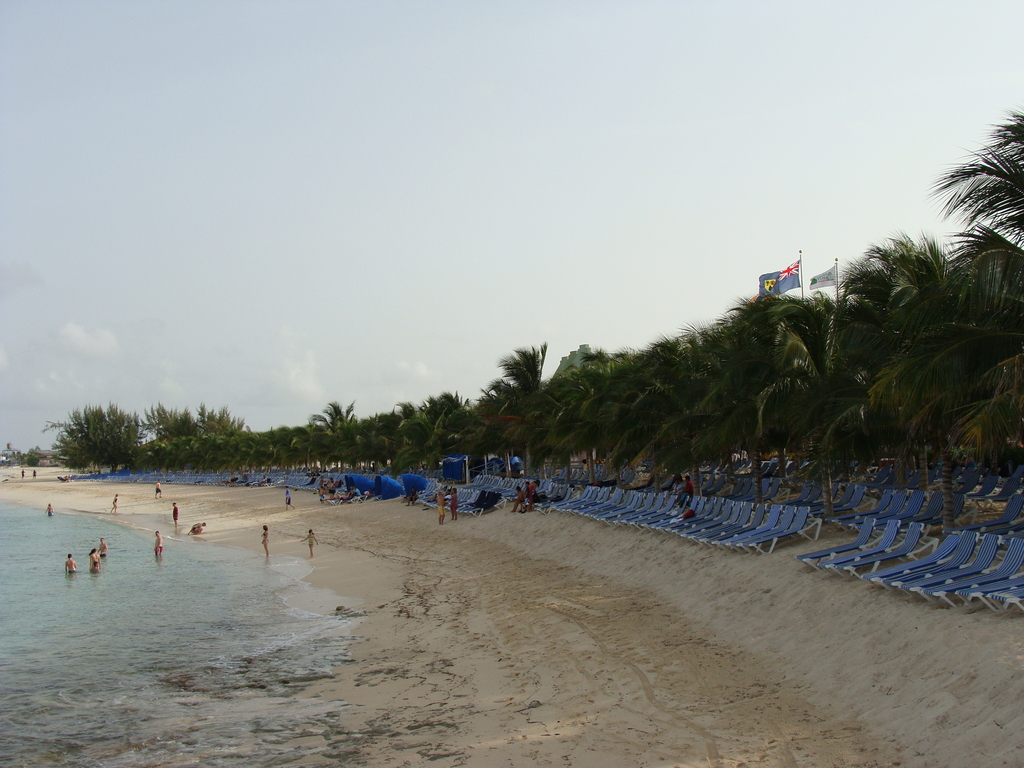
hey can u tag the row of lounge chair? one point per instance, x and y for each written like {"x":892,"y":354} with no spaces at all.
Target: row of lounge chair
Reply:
{"x":980,"y":562}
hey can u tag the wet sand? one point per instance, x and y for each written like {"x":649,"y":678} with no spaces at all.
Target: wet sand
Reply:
{"x":523,"y":640}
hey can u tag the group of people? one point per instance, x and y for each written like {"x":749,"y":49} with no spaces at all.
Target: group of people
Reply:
{"x":447,"y":501}
{"x":95,"y":557}
{"x":526,"y":496}
{"x":309,"y":538}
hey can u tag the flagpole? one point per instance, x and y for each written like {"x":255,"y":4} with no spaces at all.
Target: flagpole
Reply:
{"x":836,"y":268}
{"x":800,"y":261}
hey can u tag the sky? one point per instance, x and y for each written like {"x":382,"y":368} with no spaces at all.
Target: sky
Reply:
{"x":275,"y":205}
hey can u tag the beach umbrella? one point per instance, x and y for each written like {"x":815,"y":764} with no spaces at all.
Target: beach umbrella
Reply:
{"x":360,"y":483}
{"x":386,"y":487}
{"x":411,"y":482}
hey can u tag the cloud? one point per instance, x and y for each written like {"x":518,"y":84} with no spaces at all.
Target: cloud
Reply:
{"x":100,"y":344}
{"x":418,"y":370}
{"x":14,"y":277}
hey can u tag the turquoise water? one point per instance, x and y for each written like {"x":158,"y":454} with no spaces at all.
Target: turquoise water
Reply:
{"x":194,"y":658}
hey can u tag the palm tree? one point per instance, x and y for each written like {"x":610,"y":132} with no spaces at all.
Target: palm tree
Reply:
{"x":987,"y":191}
{"x":334,"y":417}
{"x":506,"y":401}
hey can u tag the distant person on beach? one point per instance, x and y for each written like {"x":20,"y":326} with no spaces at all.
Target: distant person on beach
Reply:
{"x":531,"y":494}
{"x":197,"y":529}
{"x":266,"y":540}
{"x":70,"y":566}
{"x":49,"y":510}
{"x":440,"y":506}
{"x":174,"y":513}
{"x":413,"y":497}
{"x":94,"y":562}
{"x":102,"y":548}
{"x":113,"y":509}
{"x":453,"y":503}
{"x":688,"y":488}
{"x":288,"y":498}
{"x":23,"y":474}
{"x":520,"y":504}
{"x":159,"y":548}
{"x":311,"y":540}
{"x":33,"y":474}
{"x":159,"y":491}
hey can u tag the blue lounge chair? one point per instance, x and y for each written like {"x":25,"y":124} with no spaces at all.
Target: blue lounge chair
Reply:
{"x":953,"y":552}
{"x":1008,"y":568}
{"x":885,"y":543}
{"x":867,"y":531}
{"x":906,"y":548}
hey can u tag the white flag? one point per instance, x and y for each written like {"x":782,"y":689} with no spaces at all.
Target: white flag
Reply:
{"x":826,"y":279}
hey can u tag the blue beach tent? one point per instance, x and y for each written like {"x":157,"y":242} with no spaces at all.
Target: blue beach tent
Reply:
{"x":454,"y":467}
{"x":386,"y":487}
{"x":360,"y":483}
{"x":417,"y":482}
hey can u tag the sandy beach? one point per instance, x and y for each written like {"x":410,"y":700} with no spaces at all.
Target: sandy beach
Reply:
{"x":524,"y":640}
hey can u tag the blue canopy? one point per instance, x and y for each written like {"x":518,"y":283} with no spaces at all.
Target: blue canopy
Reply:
{"x":454,"y":467}
{"x":414,"y":481}
{"x":361,"y":484}
{"x":386,"y":487}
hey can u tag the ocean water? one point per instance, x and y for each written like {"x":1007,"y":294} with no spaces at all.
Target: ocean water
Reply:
{"x":194,"y":658}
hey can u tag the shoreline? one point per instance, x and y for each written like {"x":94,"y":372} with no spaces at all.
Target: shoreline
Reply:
{"x":640,"y":649}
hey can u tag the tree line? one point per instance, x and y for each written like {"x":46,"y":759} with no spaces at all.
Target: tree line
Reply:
{"x":918,"y":358}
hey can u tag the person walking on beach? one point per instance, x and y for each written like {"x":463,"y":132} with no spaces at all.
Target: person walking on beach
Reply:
{"x":266,"y":540}
{"x":70,"y":566}
{"x":288,"y":498}
{"x":159,"y":490}
{"x":174,"y":514}
{"x":102,"y":548}
{"x":94,"y":562}
{"x":159,"y":548}
{"x":49,"y":510}
{"x":113,"y":509}
{"x":33,"y":474}
{"x":453,"y":503}
{"x":440,"y":505}
{"x":311,"y":540}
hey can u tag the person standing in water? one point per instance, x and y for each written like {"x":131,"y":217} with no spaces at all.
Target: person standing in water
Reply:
{"x":102,"y":548}
{"x":49,"y":510}
{"x":94,"y":562}
{"x":159,"y":491}
{"x":288,"y":498}
{"x":311,"y":540}
{"x":158,"y":549}
{"x":113,"y":509}
{"x":174,"y":514}
{"x":266,"y":540}
{"x":70,"y":566}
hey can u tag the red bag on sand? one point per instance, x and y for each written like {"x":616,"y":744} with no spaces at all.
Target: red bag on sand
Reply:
{"x":688,"y":514}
